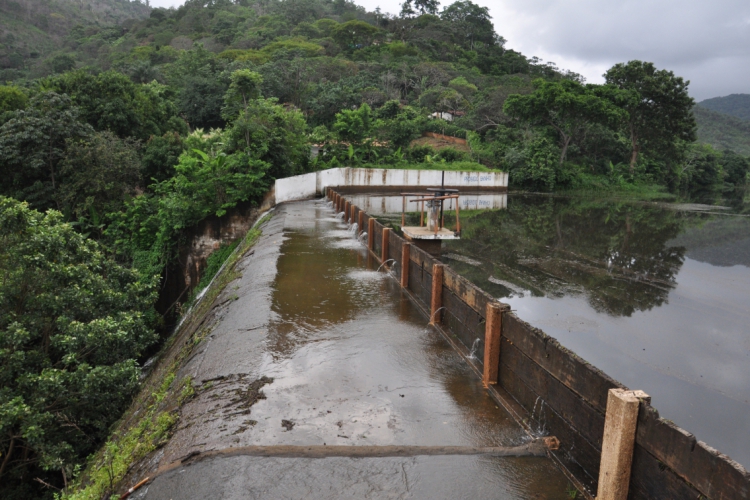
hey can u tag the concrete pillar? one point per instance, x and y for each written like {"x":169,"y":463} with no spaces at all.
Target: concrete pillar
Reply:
{"x":405,"y":258}
{"x":371,"y":234}
{"x":437,"y":293}
{"x":493,"y":328}
{"x":384,"y":244}
{"x":617,"y":446}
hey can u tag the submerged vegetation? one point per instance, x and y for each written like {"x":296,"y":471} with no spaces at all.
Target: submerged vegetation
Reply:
{"x":119,"y":131}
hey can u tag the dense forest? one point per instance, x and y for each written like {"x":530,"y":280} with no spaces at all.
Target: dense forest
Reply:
{"x":121,"y":126}
{"x":722,"y":131}
{"x":737,"y":105}
{"x":724,"y":123}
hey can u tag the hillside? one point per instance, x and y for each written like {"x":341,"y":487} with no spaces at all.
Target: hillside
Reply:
{"x":737,"y":105}
{"x":722,"y":131}
{"x":32,"y":30}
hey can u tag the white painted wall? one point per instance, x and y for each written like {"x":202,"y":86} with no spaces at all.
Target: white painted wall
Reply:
{"x":307,"y":186}
{"x":298,"y":187}
{"x":385,"y":204}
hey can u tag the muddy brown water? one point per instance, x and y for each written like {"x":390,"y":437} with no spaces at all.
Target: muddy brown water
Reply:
{"x":353,"y":363}
{"x":657,"y":295}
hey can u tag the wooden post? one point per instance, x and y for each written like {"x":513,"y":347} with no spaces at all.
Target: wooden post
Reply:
{"x":617,"y":445}
{"x":371,"y":234}
{"x":338,"y":203}
{"x":493,"y":328}
{"x":405,"y":256}
{"x":354,"y":211}
{"x":347,"y":210}
{"x":437,"y":293}
{"x":403,"y":211}
{"x":361,"y":221}
{"x":384,"y":245}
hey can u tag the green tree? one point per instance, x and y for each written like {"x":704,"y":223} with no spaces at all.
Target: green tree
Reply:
{"x":32,"y":144}
{"x":244,"y":88}
{"x":565,"y":105}
{"x":12,"y":98}
{"x":354,"y":34}
{"x":72,"y":323}
{"x":702,"y":169}
{"x":471,"y":23}
{"x":266,"y":131}
{"x":354,"y":125}
{"x":101,"y":172}
{"x":399,"y":128}
{"x":160,"y":155}
{"x":659,"y":111}
{"x":736,"y":168}
{"x":111,"y":101}
{"x":427,"y":6}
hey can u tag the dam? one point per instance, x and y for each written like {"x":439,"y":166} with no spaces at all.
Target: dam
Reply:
{"x":331,"y":361}
{"x":335,"y":355}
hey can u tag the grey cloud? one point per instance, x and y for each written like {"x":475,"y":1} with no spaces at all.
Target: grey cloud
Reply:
{"x":705,"y":42}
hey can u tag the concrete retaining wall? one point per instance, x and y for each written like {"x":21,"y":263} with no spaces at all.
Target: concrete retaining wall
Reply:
{"x":546,"y":387}
{"x":306,"y":186}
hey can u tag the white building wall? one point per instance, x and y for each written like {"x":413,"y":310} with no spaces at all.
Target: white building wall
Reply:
{"x":307,"y":186}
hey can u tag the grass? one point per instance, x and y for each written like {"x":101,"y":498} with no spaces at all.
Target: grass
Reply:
{"x":456,"y":166}
{"x":645,"y":192}
{"x":149,"y":423}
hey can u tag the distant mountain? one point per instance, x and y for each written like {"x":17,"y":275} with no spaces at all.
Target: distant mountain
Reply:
{"x":722,"y":131}
{"x":735,"y":105}
{"x":31,"y":30}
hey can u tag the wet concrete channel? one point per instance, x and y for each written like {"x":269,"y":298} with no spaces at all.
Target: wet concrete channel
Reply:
{"x":314,"y":346}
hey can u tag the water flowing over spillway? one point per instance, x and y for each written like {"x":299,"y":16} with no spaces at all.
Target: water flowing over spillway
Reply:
{"x":314,"y":347}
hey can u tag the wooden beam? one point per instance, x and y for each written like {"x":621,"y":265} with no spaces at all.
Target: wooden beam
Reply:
{"x":492,"y":331}
{"x":371,"y":234}
{"x":384,"y":244}
{"x":437,"y":293}
{"x":618,"y":443}
{"x":405,"y":258}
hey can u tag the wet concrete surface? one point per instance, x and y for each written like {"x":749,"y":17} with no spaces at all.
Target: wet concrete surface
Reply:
{"x":312,"y":346}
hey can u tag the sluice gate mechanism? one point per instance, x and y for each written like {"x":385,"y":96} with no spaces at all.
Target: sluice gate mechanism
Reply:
{"x":431,"y":230}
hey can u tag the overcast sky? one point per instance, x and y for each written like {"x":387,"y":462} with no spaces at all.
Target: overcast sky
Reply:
{"x":706,"y":42}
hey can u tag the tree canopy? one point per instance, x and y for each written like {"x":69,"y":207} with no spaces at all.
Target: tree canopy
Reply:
{"x":659,"y":110}
{"x":72,"y":323}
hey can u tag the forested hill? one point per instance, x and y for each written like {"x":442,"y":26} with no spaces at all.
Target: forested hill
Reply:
{"x":722,"y":131}
{"x":737,"y":105}
{"x":31,"y":31}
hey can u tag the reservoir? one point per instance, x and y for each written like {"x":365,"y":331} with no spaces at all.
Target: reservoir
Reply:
{"x":654,"y":294}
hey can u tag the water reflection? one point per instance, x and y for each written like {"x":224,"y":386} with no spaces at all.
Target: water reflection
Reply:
{"x":655,"y":296}
{"x":616,"y":254}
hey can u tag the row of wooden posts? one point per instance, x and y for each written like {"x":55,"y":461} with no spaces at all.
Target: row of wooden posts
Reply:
{"x":622,"y":405}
